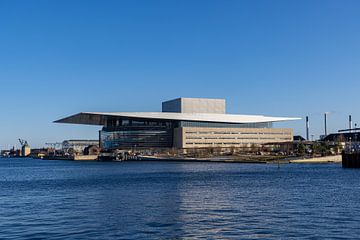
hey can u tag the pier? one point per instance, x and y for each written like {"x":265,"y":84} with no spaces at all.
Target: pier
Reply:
{"x":351,"y":160}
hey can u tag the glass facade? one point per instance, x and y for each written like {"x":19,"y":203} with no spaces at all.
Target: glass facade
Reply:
{"x":136,"y":139}
{"x":131,"y":133}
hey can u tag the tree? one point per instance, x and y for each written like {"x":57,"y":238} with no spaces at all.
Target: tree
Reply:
{"x":301,"y":149}
{"x":315,"y":148}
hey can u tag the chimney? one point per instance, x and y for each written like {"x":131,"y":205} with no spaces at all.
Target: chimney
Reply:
{"x":350,"y":123}
{"x":307,"y":128}
{"x":325,"y":119}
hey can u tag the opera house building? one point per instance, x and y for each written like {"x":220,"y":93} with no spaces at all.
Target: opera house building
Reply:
{"x":183,"y":123}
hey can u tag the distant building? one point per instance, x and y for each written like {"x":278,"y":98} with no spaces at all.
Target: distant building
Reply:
{"x":25,"y":150}
{"x":40,"y":152}
{"x":5,"y":153}
{"x":78,"y":145}
{"x":299,"y":138}
{"x":343,"y":137}
{"x":183,"y":123}
{"x":92,"y":150}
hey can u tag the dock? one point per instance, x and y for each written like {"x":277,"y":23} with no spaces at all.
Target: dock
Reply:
{"x":351,"y":160}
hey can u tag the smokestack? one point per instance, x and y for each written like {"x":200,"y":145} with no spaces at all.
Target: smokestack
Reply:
{"x":325,"y":118}
{"x":307,"y":128}
{"x":350,"y":123}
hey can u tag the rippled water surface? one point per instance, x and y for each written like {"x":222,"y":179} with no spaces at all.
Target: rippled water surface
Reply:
{"x":151,"y":200}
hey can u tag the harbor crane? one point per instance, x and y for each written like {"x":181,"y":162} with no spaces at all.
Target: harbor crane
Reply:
{"x":25,"y":148}
{"x":23,"y":142}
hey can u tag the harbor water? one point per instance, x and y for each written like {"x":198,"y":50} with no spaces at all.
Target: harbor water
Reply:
{"x":42,"y":199}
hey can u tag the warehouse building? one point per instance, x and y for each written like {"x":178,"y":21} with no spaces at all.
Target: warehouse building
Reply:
{"x":183,"y":123}
{"x":78,"y":145}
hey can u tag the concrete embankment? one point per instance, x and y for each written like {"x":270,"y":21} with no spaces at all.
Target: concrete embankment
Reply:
{"x":86,"y":157}
{"x":328,"y":159}
{"x":212,"y":159}
{"x":73,"y":158}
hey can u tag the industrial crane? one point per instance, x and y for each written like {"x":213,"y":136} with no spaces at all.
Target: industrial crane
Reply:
{"x":23,"y":142}
{"x":25,"y":148}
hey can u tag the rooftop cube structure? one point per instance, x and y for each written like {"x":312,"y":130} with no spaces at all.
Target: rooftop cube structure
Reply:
{"x":194,"y":105}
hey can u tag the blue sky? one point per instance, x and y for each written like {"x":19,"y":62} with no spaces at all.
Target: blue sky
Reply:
{"x":281,"y":58}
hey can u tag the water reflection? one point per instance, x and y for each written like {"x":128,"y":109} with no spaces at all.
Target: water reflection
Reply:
{"x":57,"y":200}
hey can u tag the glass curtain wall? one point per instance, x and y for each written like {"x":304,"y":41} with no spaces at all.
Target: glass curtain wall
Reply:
{"x":132,"y":133}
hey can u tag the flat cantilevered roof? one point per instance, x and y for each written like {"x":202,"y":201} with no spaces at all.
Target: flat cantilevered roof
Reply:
{"x":99,"y":118}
